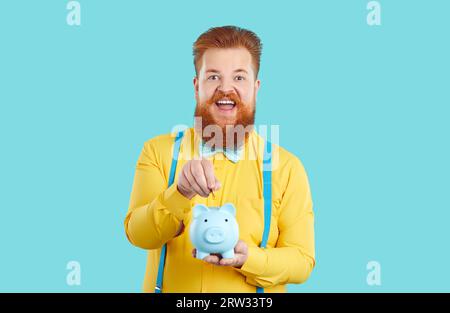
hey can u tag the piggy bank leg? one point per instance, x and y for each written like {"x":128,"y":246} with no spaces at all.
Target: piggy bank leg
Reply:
{"x":201,"y":255}
{"x":228,"y":254}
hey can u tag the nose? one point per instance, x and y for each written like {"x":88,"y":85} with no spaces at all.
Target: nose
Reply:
{"x":214,"y":235}
{"x":226,"y":86}
{"x":227,"y":90}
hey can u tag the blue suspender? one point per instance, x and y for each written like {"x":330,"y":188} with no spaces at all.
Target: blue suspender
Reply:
{"x":173,"y":167}
{"x":267,"y":192}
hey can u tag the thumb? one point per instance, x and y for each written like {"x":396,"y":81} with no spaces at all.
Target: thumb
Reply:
{"x":217,"y":185}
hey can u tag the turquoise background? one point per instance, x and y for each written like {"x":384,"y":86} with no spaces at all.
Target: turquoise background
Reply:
{"x":365,"y":108}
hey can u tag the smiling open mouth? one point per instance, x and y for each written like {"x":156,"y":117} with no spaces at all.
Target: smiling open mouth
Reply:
{"x":226,"y":104}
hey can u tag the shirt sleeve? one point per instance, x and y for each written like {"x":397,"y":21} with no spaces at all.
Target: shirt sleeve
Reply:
{"x":155,"y":211}
{"x":293,"y":257}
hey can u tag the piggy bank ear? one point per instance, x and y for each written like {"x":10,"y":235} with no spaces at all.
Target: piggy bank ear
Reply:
{"x":228,"y":207}
{"x":200,"y":209}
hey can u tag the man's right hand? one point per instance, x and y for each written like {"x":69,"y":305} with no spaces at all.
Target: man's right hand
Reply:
{"x":197,"y":178}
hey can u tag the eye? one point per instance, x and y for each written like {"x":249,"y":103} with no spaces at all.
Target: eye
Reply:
{"x":206,"y":220}
{"x":226,"y":220}
{"x":239,"y":77}
{"x":213,"y":77}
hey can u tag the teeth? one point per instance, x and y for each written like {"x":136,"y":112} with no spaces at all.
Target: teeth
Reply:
{"x":225,"y":102}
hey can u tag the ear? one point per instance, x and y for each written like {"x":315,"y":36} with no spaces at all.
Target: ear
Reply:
{"x":228,"y":207}
{"x":195,"y":81}
{"x":257,"y":86}
{"x":199,"y":209}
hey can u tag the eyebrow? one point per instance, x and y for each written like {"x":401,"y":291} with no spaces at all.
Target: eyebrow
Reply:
{"x":240,"y":70}
{"x":217,"y":71}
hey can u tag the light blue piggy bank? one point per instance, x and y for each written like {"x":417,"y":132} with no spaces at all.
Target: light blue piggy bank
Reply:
{"x":214,"y":230}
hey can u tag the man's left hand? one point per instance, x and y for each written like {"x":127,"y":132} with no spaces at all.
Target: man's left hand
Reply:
{"x":240,"y":256}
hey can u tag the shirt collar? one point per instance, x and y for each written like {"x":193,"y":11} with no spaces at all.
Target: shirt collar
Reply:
{"x":251,"y":149}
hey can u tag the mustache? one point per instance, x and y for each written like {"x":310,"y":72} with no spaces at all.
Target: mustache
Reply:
{"x":219,"y":95}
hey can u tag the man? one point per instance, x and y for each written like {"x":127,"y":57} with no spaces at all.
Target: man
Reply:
{"x":216,"y":167}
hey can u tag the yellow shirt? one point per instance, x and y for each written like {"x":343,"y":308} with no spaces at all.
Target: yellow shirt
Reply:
{"x":156,"y":211}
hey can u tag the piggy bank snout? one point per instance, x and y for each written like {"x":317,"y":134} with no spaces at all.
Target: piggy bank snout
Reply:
{"x":214,"y":235}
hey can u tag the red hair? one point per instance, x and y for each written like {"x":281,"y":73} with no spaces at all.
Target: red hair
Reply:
{"x":228,"y":37}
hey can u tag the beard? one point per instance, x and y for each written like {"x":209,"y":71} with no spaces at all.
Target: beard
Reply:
{"x":225,"y":132}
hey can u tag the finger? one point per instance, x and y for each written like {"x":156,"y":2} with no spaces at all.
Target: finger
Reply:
{"x":199,"y":177}
{"x":228,"y":262}
{"x":184,"y":181}
{"x":213,"y":259}
{"x":186,"y":184}
{"x":208,"y":169}
{"x":193,"y":184}
{"x":241,"y":247}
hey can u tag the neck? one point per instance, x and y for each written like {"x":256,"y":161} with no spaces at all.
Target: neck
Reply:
{"x":233,"y":139}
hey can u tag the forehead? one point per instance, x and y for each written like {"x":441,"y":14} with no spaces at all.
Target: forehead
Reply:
{"x":228,"y":59}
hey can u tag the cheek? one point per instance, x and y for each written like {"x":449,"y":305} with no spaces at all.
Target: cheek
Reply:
{"x":247,"y":94}
{"x":248,"y":98}
{"x":205,"y":92}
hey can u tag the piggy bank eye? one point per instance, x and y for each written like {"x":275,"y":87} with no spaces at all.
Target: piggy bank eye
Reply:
{"x":206,"y":220}
{"x":226,"y":220}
